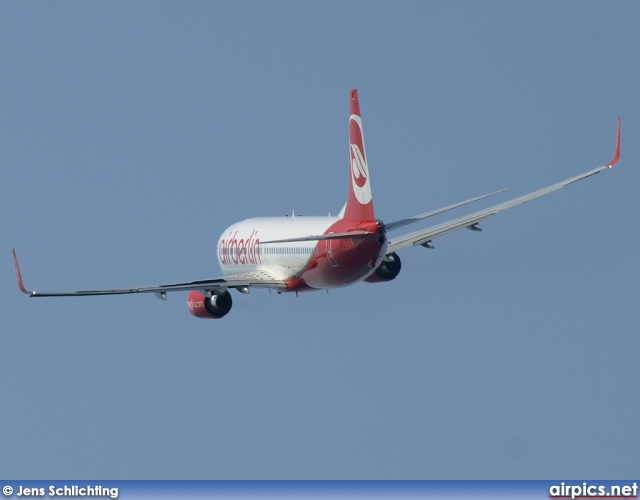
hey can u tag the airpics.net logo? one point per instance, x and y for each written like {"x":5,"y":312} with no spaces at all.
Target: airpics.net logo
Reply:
{"x":586,"y":490}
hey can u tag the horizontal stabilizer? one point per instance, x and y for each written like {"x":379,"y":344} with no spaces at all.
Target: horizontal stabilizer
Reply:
{"x":319,"y":237}
{"x":404,"y":222}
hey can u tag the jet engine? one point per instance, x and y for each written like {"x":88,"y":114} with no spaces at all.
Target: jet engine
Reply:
{"x":387,"y":270}
{"x":214,"y":307}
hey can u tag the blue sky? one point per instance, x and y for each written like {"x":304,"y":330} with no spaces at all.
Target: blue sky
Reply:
{"x":133,"y":134}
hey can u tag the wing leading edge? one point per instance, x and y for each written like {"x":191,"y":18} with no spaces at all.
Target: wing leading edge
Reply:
{"x":425,"y":236}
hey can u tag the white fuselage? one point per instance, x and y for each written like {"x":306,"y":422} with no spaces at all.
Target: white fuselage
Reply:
{"x":242,"y":249}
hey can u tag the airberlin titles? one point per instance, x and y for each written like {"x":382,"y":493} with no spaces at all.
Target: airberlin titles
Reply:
{"x":240,"y":251}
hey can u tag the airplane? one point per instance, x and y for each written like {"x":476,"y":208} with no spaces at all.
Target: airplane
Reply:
{"x":294,"y":254}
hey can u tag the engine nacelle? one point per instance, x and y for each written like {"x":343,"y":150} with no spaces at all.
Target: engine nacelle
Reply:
{"x":387,"y":270}
{"x":211,"y":308}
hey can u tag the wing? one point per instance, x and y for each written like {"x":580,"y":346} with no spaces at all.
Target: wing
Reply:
{"x":257,"y":279}
{"x":424,"y":237}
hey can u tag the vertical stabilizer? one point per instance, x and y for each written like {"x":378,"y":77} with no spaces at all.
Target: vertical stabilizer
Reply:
{"x":359,"y":204}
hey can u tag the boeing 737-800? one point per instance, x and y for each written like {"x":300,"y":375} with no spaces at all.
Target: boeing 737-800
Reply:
{"x":292,"y":254}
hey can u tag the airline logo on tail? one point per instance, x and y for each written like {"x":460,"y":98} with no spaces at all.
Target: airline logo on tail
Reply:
{"x":359,"y":168}
{"x":359,"y":203}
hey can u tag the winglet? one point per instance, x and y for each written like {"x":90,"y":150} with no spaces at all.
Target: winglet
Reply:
{"x":19,"y":276}
{"x":616,"y":154}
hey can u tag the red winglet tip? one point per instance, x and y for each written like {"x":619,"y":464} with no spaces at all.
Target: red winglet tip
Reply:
{"x":616,"y":153}
{"x":18,"y":275}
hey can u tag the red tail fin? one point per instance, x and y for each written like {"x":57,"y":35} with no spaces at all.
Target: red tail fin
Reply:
{"x":359,"y":204}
